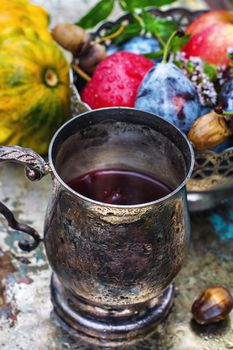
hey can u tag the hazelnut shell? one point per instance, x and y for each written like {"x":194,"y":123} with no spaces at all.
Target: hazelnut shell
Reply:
{"x":209,"y":131}
{"x":70,"y":36}
{"x":213,"y":305}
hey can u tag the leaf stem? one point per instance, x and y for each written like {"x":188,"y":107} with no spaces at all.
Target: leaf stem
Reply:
{"x":80,"y":72}
{"x":220,"y":111}
{"x":154,"y":54}
{"x":167,"y":47}
{"x":139,"y":19}
{"x":160,"y":40}
{"x":123,"y":4}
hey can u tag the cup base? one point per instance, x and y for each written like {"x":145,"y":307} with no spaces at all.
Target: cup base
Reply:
{"x":106,"y":327}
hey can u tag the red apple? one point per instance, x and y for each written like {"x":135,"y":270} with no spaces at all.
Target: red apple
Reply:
{"x":211,"y":37}
{"x":208,"y":18}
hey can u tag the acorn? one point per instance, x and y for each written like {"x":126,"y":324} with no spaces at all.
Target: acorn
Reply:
{"x":209,"y":130}
{"x":213,"y":305}
{"x":70,"y":37}
{"x":90,"y":59}
{"x":79,"y":42}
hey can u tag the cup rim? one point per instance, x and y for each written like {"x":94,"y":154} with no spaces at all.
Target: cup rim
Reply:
{"x":95,"y":202}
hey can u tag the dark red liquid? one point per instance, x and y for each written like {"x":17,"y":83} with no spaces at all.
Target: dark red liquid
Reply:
{"x":121,"y":187}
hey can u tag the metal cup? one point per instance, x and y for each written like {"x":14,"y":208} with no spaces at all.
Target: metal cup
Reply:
{"x":113,"y":264}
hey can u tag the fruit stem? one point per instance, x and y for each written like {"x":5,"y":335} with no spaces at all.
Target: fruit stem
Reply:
{"x":156,"y":54}
{"x":168,"y":45}
{"x":219,"y":110}
{"x":158,"y":37}
{"x":111,"y":36}
{"x":227,"y":114}
{"x":80,"y":72}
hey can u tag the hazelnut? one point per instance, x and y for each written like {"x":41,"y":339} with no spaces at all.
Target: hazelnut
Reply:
{"x":209,"y":131}
{"x":70,"y":36}
{"x":213,"y":305}
{"x":89,"y":61}
{"x":76,"y":40}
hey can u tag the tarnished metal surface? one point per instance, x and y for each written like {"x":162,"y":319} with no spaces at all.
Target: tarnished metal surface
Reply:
{"x":35,"y":166}
{"x":212,"y":179}
{"x":24,"y":288}
{"x":35,"y":169}
{"x":119,"y":259}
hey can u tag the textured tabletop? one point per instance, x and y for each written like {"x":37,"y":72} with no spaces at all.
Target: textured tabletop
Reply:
{"x":25,"y":306}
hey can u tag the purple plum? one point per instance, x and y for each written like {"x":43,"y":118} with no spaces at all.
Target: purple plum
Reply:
{"x":139,"y":44}
{"x":168,"y":93}
{"x":226,"y":96}
{"x":224,"y":145}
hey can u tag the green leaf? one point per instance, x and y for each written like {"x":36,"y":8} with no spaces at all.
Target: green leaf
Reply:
{"x":178,"y":42}
{"x":123,"y":4}
{"x":129,"y":32}
{"x":211,"y":71}
{"x":152,"y":55}
{"x":178,"y":64}
{"x":160,"y":28}
{"x":190,"y":67}
{"x":97,"y":14}
{"x":141,"y":4}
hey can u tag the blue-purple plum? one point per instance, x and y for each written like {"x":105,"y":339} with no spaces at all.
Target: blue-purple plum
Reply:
{"x":141,"y":45}
{"x":111,"y":49}
{"x":226,"y":96}
{"x":224,"y":145}
{"x":205,"y":110}
{"x":168,"y":93}
{"x":138,"y":44}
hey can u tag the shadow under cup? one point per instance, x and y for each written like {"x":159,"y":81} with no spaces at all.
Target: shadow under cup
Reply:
{"x":113,"y":264}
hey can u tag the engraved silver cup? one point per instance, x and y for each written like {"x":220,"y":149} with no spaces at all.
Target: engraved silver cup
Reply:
{"x":113,"y":265}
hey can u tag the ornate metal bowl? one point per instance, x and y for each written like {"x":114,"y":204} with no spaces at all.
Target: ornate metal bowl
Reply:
{"x":212,"y":178}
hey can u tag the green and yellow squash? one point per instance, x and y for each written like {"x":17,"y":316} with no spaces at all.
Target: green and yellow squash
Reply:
{"x":22,"y":14}
{"x":34,"y":91}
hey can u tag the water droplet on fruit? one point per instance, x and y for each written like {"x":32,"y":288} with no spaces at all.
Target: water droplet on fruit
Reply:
{"x":119,"y":99}
{"x":111,"y":79}
{"x":107,"y":89}
{"x":121,"y":86}
{"x":167,"y":92}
